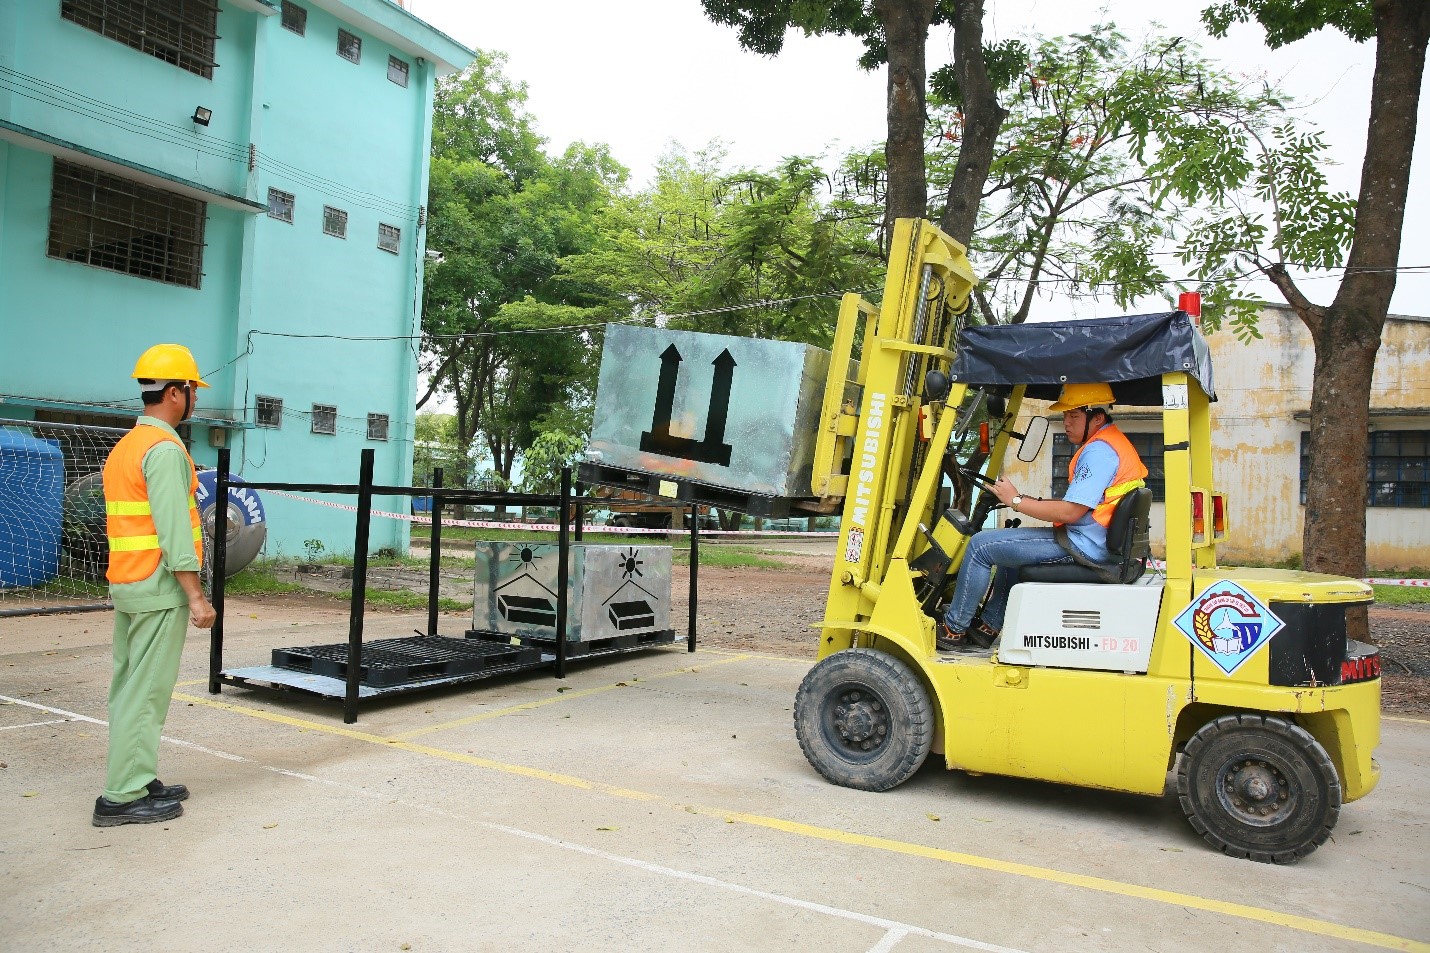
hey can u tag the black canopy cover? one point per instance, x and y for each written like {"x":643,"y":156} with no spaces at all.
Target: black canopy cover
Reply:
{"x":1131,"y":353}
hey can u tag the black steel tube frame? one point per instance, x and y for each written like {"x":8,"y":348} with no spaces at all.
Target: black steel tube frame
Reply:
{"x":694,"y":597}
{"x":580,"y":508}
{"x":359,"y":600}
{"x":563,"y":582}
{"x":365,"y":489}
{"x":219,"y":571}
{"x":434,"y":569}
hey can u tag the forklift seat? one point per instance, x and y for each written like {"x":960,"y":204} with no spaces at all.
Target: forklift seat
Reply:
{"x":1128,"y":542}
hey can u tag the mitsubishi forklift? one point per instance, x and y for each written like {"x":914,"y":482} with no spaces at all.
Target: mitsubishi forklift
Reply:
{"x":1242,"y":682}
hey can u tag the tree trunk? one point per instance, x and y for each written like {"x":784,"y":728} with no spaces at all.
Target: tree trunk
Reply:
{"x":906,"y":27}
{"x":982,"y":120}
{"x":1348,"y":337}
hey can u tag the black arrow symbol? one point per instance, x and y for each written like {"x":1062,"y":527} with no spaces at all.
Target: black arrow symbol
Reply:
{"x":719,"y":399}
{"x":665,"y":393}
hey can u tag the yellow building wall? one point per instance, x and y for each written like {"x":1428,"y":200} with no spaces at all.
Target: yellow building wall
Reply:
{"x":1263,"y":395}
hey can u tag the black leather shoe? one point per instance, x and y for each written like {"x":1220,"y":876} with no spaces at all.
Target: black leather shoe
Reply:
{"x":160,"y":791}
{"x":146,"y":810}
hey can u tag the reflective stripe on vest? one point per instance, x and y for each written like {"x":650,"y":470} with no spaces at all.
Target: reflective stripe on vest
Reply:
{"x":1129,"y":476}
{"x":134,"y":551}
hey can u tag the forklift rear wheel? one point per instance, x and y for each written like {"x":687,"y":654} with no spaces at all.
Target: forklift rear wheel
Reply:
{"x":863,"y":720}
{"x":1259,"y":787}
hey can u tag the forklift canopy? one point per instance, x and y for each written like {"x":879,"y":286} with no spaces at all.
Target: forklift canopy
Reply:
{"x":1131,"y":353}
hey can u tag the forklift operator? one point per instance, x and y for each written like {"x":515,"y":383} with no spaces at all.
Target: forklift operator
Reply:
{"x":1104,"y":468}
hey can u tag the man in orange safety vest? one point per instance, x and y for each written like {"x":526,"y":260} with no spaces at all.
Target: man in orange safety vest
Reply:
{"x":156,"y":550}
{"x":1104,"y":469}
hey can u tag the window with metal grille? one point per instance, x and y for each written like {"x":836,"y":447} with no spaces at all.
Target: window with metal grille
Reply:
{"x":397,"y":70}
{"x":295,"y":18}
{"x":335,"y":222}
{"x":182,"y":32}
{"x":349,"y":46}
{"x":1397,"y":469}
{"x":325,"y":418}
{"x":1148,"y":447}
{"x":110,"y":222}
{"x":389,"y":238}
{"x":377,"y":426}
{"x":268,"y":411}
{"x":280,"y":205}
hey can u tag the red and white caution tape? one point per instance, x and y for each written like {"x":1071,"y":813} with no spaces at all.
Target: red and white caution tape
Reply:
{"x":541,"y":527}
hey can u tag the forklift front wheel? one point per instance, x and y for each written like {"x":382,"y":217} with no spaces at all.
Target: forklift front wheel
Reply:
{"x":1259,"y":787}
{"x":863,"y":719}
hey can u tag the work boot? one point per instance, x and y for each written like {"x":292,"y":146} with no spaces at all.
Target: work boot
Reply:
{"x":146,"y":810}
{"x":160,"y":791}
{"x":950,"y":641}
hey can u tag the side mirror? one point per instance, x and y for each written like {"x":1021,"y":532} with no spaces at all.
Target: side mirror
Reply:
{"x":997,"y":407}
{"x":1032,"y":440}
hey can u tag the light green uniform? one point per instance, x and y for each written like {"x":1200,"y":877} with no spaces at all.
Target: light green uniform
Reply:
{"x":150,"y":621}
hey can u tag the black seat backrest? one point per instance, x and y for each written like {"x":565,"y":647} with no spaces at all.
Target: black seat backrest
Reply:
{"x":1129,"y":537}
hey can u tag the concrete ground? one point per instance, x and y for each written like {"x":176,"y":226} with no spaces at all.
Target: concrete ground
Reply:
{"x":654,"y":802}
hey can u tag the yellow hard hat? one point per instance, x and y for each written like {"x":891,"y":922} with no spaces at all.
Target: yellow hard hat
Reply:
{"x":1078,"y":396}
{"x":168,"y":362}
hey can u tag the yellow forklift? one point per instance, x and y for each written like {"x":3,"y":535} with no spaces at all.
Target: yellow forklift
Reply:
{"x":1242,"y":681}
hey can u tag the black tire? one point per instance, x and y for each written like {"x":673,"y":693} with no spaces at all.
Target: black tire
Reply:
{"x":863,"y":720}
{"x":1259,"y":787}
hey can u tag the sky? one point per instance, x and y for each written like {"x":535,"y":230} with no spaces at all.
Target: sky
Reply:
{"x":640,"y":75}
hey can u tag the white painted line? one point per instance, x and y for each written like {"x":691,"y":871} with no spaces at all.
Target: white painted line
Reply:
{"x":35,"y":724}
{"x":890,"y":940}
{"x":896,"y":931}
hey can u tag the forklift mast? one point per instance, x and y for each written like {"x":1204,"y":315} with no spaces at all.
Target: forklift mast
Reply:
{"x":886,"y":423}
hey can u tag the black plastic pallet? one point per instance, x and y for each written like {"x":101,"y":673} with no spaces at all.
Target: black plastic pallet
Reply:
{"x":388,"y":662}
{"x":619,"y":643}
{"x":689,"y":491}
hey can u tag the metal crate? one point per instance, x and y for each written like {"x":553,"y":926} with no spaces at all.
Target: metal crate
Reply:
{"x":613,"y":590}
{"x":727,"y":411}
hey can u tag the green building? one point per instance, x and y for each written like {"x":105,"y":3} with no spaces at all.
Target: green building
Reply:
{"x":247,"y":178}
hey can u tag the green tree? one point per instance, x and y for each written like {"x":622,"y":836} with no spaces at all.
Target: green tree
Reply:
{"x":1310,"y":228}
{"x":503,"y":328}
{"x":753,"y":253}
{"x":1104,"y":152}
{"x":543,"y":461}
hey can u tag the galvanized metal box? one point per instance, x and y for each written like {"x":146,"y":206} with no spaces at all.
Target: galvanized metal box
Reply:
{"x":613,"y":590}
{"x":727,"y":411}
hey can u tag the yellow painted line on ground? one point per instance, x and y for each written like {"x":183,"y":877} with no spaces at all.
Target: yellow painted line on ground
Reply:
{"x":192,"y":681}
{"x":1136,"y":891}
{"x":1413,"y":721}
{"x":564,"y":696}
{"x":761,"y":655}
{"x":1243,"y":911}
{"x":517,"y":769}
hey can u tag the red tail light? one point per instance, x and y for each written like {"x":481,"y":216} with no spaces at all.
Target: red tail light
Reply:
{"x":1218,"y":515}
{"x":983,"y":437}
{"x":1199,"y":518}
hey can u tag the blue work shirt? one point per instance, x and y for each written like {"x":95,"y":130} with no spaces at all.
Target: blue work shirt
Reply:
{"x":1096,"y":469}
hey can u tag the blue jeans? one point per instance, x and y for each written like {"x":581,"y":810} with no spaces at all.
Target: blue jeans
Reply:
{"x":1008,"y":550}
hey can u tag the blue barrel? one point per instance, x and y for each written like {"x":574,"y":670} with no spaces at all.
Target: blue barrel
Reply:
{"x":32,"y":492}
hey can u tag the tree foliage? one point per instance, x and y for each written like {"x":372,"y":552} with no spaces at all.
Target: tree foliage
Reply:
{"x":503,"y":327}
{"x":1312,"y":228}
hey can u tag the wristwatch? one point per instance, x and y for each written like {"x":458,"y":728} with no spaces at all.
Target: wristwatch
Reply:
{"x":1016,"y":501}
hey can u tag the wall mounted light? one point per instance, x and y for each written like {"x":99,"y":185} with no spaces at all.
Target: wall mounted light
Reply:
{"x":202,"y":115}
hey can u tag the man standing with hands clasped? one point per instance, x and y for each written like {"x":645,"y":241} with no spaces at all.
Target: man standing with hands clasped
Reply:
{"x":156,"y":549}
